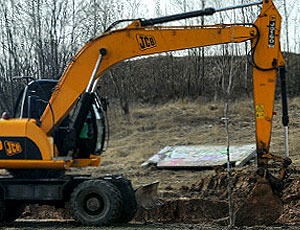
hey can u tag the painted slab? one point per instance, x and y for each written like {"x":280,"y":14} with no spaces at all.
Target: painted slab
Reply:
{"x":201,"y":156}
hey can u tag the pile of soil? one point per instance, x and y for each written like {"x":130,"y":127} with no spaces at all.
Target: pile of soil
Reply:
{"x":291,"y":202}
{"x":206,"y":201}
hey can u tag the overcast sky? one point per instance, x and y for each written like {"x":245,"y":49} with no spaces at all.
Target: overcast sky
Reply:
{"x":166,"y":8}
{"x":150,"y":4}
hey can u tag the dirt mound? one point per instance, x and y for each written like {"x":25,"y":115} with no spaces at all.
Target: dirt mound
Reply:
{"x":206,"y":201}
{"x":185,"y":211}
{"x":291,"y":201}
{"x":261,"y":207}
{"x":215,"y":186}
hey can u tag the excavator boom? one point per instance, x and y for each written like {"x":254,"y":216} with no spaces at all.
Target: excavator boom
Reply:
{"x":131,"y":42}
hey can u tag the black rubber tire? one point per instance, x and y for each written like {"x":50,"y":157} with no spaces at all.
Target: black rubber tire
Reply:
{"x":104,"y":200}
{"x":129,"y":204}
{"x":13,"y":210}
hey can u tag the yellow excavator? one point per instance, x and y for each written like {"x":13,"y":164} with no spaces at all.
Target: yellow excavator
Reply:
{"x":60,"y":125}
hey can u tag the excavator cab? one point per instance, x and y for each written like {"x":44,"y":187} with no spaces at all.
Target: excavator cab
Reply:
{"x":34,"y":98}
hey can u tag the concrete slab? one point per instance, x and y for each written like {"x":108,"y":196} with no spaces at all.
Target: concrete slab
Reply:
{"x":201,"y":156}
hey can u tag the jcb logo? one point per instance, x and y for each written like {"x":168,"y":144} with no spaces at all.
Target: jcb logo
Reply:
{"x":272,"y":28}
{"x":145,"y":41}
{"x":12,"y":148}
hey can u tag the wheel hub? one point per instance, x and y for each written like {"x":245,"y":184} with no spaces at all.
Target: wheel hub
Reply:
{"x":93,"y":204}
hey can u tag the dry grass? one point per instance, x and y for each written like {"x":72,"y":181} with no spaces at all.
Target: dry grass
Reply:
{"x":136,"y":138}
{"x":294,"y":110}
{"x":148,"y":129}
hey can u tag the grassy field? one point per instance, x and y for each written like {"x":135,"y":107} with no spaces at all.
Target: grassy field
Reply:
{"x":135,"y":138}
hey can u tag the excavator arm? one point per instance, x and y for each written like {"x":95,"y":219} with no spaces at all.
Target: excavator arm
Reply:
{"x":267,"y":59}
{"x":138,"y":39}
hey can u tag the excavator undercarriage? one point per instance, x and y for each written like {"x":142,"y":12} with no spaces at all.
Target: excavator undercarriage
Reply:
{"x":93,"y":201}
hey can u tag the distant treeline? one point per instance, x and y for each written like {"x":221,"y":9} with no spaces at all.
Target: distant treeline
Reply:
{"x":39,"y":38}
{"x":160,"y":79}
{"x":164,"y":78}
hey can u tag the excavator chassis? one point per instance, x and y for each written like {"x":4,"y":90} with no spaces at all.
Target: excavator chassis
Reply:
{"x":93,"y":201}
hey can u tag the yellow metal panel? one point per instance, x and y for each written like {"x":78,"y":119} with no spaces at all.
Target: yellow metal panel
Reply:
{"x":13,"y":127}
{"x":86,"y":162}
{"x":39,"y":164}
{"x":27,"y":129}
{"x":37,"y":135}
